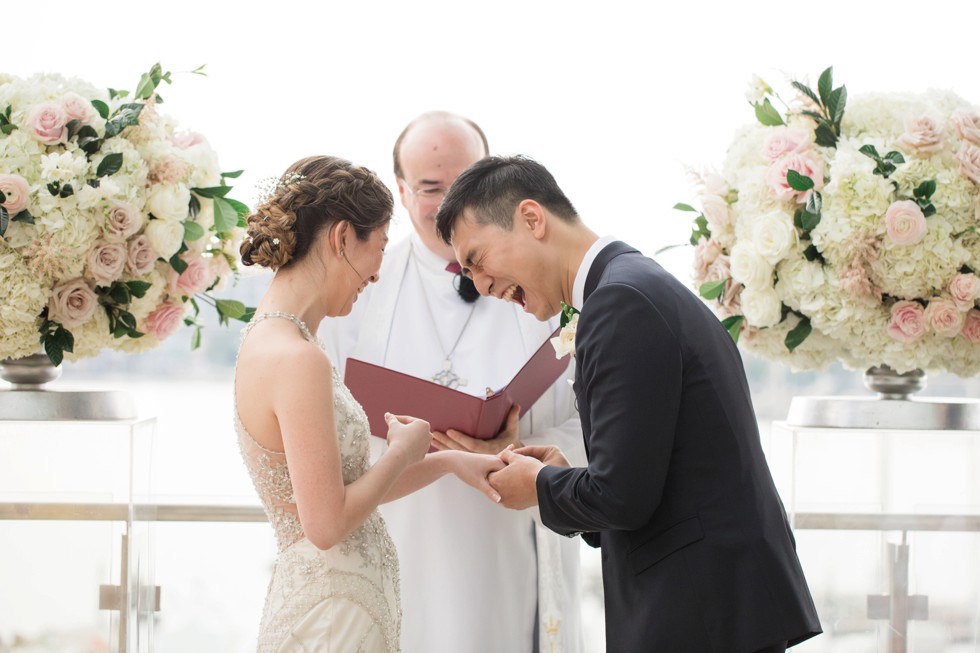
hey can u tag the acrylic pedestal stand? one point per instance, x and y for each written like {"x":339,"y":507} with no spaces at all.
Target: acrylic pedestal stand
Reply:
{"x":75,"y":550}
{"x":884,"y":498}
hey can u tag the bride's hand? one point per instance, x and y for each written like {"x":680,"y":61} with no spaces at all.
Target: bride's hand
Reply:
{"x":408,"y":437}
{"x":473,"y":469}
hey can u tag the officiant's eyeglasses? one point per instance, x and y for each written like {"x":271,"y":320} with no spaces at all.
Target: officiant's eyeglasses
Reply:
{"x":433,"y":194}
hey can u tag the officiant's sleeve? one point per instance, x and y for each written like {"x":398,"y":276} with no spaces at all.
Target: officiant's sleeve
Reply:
{"x":629,"y":394}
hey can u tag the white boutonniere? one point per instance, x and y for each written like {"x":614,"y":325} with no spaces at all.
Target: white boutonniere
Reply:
{"x":564,"y":342}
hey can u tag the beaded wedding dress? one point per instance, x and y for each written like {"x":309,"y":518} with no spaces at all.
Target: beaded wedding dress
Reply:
{"x":343,"y":599}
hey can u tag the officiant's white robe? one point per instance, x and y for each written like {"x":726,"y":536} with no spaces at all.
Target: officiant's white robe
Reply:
{"x":470,"y":574}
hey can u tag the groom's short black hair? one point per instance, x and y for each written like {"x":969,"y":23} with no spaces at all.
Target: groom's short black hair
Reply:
{"x":494,"y":186}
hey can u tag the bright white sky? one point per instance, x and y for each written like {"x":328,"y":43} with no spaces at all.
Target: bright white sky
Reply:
{"x":615,"y":97}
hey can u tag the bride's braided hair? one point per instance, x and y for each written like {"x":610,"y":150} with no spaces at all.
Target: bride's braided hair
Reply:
{"x":313,"y":194}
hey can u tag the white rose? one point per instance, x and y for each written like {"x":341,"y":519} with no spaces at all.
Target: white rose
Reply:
{"x":564,"y":342}
{"x":773,"y":236}
{"x":169,"y":202}
{"x":749,"y":267}
{"x":761,"y":308}
{"x":165,"y":236}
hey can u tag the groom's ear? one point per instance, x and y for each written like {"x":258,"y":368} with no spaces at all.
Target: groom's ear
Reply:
{"x":531,"y":215}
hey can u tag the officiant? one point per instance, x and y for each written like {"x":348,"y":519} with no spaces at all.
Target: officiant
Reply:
{"x":474,"y":577}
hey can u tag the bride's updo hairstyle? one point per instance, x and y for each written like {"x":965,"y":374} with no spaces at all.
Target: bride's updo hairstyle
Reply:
{"x":313,"y":194}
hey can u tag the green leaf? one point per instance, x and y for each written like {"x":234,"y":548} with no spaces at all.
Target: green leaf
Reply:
{"x":925,"y":189}
{"x":149,"y":82}
{"x":799,"y":333}
{"x":894,"y":157}
{"x":249,"y":314}
{"x":196,"y":338}
{"x":733,"y":324}
{"x":767,"y":114}
{"x":102,"y":108}
{"x":839,"y":100}
{"x":212,"y":191}
{"x":200,"y":70}
{"x":928,"y":209}
{"x":119,"y":294}
{"x":825,"y":135}
{"x":8,"y":128}
{"x":225,"y":216}
{"x":809,"y":221}
{"x":872,"y":151}
{"x":798,"y":182}
{"x":4,"y":220}
{"x":240,"y":208}
{"x":192,"y":231}
{"x":814,"y":203}
{"x":110,"y":165}
{"x":825,"y":85}
{"x":72,"y":128}
{"x":230,"y":308}
{"x":807,"y":91}
{"x":233,"y":174}
{"x":66,"y":191}
{"x":713,"y":289}
{"x":685,"y":207}
{"x":24,"y":216}
{"x":177,"y":263}
{"x":138,"y":288}
{"x":811,"y":253}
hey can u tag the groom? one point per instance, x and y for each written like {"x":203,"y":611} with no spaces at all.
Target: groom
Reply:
{"x":697,"y":552}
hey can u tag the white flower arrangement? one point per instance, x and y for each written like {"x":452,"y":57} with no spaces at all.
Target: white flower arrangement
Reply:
{"x":112,"y":224}
{"x":850,"y":236}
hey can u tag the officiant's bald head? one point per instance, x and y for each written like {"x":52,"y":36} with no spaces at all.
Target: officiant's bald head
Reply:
{"x":429,"y":154}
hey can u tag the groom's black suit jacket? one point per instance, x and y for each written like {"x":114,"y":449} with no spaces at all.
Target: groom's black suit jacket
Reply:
{"x":697,"y":553}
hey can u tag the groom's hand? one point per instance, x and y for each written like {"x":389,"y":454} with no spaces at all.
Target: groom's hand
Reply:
{"x":459,"y":441}
{"x":516,"y":482}
{"x":548,"y":454}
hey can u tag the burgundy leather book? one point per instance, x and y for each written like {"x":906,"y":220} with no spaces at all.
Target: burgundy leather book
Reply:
{"x":380,"y":390}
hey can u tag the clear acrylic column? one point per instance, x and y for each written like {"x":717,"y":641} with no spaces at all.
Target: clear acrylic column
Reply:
{"x":887,"y":523}
{"x":76,"y":551}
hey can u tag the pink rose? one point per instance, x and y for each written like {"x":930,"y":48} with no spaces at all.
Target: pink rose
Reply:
{"x":907,"y":323}
{"x":905,"y":222}
{"x":785,"y":140}
{"x":78,"y":108}
{"x":969,"y":158}
{"x":72,"y":303}
{"x":944,"y":317}
{"x":141,"y":257}
{"x":720,"y":269}
{"x":716,"y":212}
{"x":705,"y":253}
{"x":122,"y":221}
{"x":16,"y":192}
{"x":971,"y":326}
{"x":923,"y":134}
{"x":808,"y":163}
{"x":194,"y":279}
{"x":220,"y":268}
{"x":967,"y":124}
{"x":965,"y":290}
{"x":47,"y":122}
{"x":106,"y":262}
{"x":187,"y":139}
{"x":165,"y":319}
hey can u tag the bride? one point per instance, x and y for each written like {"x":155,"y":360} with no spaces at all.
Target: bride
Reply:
{"x":304,"y":438}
